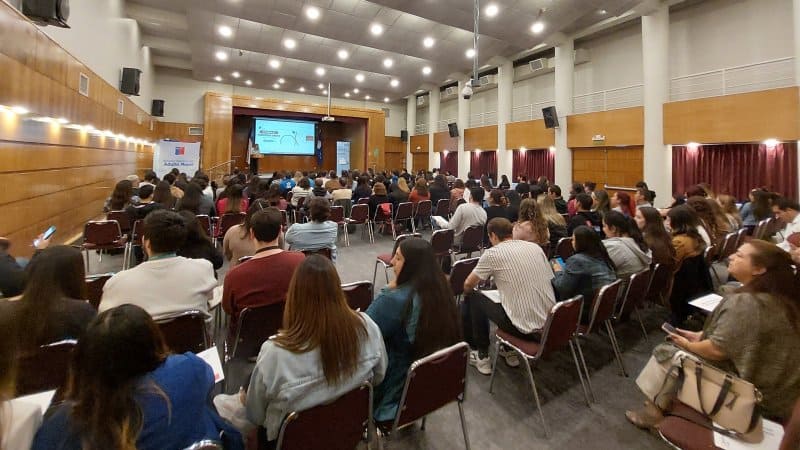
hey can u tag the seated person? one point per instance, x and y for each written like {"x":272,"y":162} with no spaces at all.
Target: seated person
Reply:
{"x":318,"y":233}
{"x":753,"y":333}
{"x":263,"y":279}
{"x":585,"y":272}
{"x":319,"y":190}
{"x":523,"y":277}
{"x":625,"y":244}
{"x":12,"y":270}
{"x":146,"y":204}
{"x":19,"y":418}
{"x":416,"y":315}
{"x":584,"y":215}
{"x":466,"y":215}
{"x":53,"y":306}
{"x":378,"y":197}
{"x":126,"y":392}
{"x":787,"y":211}
{"x":237,"y":243}
{"x":198,"y":244}
{"x":304,"y":365}
{"x":166,"y":283}
{"x":531,"y":225}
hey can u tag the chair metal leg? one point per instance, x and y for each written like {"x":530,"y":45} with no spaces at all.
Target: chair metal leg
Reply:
{"x":423,"y":423}
{"x":463,"y":425}
{"x":86,"y":254}
{"x":580,"y":373}
{"x":585,"y":369}
{"x":536,"y":397}
{"x":613,"y":338}
{"x":385,"y":272}
{"x":641,"y":323}
{"x":494,"y":364}
{"x":375,"y":273}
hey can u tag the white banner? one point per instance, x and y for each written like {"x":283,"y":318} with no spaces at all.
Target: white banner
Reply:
{"x":185,"y":156}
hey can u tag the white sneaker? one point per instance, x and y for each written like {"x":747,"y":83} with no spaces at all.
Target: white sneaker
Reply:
{"x":484,"y":365}
{"x":512,"y":360}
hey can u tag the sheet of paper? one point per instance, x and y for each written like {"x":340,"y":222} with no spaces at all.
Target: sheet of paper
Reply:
{"x":441,"y":221}
{"x":211,"y":357}
{"x":773,"y":433}
{"x":41,"y":399}
{"x":707,"y":302}
{"x":493,"y":295}
{"x":216,"y":299}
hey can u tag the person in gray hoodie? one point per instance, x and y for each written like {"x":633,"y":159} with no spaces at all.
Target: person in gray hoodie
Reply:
{"x":625,"y":245}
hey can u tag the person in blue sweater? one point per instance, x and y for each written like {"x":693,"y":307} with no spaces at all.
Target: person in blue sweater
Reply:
{"x":127,"y":392}
{"x":585,"y":272}
{"x":417,"y":316}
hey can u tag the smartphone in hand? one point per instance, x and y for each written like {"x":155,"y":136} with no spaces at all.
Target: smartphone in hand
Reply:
{"x":46,"y":235}
{"x":669,"y":329}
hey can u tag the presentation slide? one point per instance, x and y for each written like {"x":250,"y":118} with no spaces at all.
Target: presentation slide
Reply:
{"x":284,"y":137}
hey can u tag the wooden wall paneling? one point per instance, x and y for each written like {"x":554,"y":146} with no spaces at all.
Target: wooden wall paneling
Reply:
{"x":177,"y":131}
{"x":393,"y":144}
{"x":622,"y":167}
{"x":395,"y":161}
{"x":750,"y":117}
{"x":442,"y":141}
{"x":620,"y":127}
{"x":529,"y":134}
{"x":419,"y":143}
{"x":483,"y":138}
{"x":218,"y":129}
{"x":419,"y":161}
{"x":240,"y":139}
{"x":375,"y":139}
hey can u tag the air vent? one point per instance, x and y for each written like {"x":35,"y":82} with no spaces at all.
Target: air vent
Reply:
{"x":195,"y":131}
{"x":452,"y":90}
{"x":83,"y":84}
{"x":538,"y":64}
{"x":120,"y":107}
{"x":422,"y":100}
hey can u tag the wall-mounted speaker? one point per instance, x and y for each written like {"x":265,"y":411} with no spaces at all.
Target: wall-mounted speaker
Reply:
{"x":47,"y":12}
{"x":550,"y":117}
{"x":452,"y":128}
{"x":157,"y":110}
{"x":404,"y":135}
{"x":129,"y":84}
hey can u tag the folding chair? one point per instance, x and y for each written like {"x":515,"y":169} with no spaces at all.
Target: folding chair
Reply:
{"x":682,"y":429}
{"x":336,"y":425}
{"x":359,"y":215}
{"x":104,"y":235}
{"x":205,"y":223}
{"x":728,"y":246}
{"x":403,"y":213}
{"x":226,"y":222}
{"x":760,"y":231}
{"x":442,"y":243}
{"x":386,"y":258}
{"x":602,"y":313}
{"x":660,"y":280}
{"x":363,"y":201}
{"x":94,"y":287}
{"x":454,"y":205}
{"x":122,"y":218}
{"x":322,"y":251}
{"x":358,"y":294}
{"x":559,"y":330}
{"x":433,"y":382}
{"x":471,"y":241}
{"x":443,"y":207}
{"x":185,"y":331}
{"x":564,"y":248}
{"x":459,"y":273}
{"x":135,"y":239}
{"x":45,"y":368}
{"x":383,"y":216}
{"x":635,"y":294}
{"x":300,"y":215}
{"x":423,"y":212}
{"x":337,"y":217}
{"x":255,"y":325}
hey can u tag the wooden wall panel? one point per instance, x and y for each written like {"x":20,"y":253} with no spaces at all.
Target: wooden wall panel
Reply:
{"x":419,"y":143}
{"x":529,"y":134}
{"x":442,"y":141}
{"x":393,"y":144}
{"x":483,"y":138}
{"x":749,"y":117}
{"x":177,"y":131}
{"x":621,"y":167}
{"x":54,"y":174}
{"x":619,"y":126}
{"x":395,"y":161}
{"x":419,"y":161}
{"x":217,"y":131}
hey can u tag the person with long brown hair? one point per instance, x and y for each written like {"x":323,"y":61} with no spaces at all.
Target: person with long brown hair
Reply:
{"x":126,"y":392}
{"x":416,"y":315}
{"x":753,"y":332}
{"x":121,"y":197}
{"x":420,"y":191}
{"x":658,"y":240}
{"x":715,"y":225}
{"x":531,"y":225}
{"x":323,"y":350}
{"x":731,"y":211}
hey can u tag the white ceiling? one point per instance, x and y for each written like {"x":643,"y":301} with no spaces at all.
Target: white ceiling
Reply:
{"x":183,"y":34}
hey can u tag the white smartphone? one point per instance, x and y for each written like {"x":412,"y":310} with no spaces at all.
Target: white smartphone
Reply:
{"x":46,"y":235}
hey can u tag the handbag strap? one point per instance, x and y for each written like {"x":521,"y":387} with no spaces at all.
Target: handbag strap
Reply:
{"x":723,"y":392}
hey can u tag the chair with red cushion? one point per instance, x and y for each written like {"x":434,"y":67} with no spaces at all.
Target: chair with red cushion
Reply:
{"x":322,"y":251}
{"x":228,"y":221}
{"x":185,"y":331}
{"x":635,"y":295}
{"x":443,"y":207}
{"x":433,"y":382}
{"x":385,"y":259}
{"x":104,"y":235}
{"x":358,"y":294}
{"x":359,"y":215}
{"x":363,"y":201}
{"x":94,"y":287}
{"x":683,"y":430}
{"x":459,"y":273}
{"x":660,"y":281}
{"x":337,"y":217}
{"x":123,"y":218}
{"x":384,"y":217}
{"x":205,"y":223}
{"x":45,"y":368}
{"x":300,"y":215}
{"x":423,"y":212}
{"x":403,"y":213}
{"x":442,"y":244}
{"x":135,"y":238}
{"x":471,"y":241}
{"x":564,"y":248}
{"x":560,"y":330}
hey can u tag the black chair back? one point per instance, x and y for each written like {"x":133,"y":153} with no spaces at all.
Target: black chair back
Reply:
{"x":45,"y":368}
{"x":185,"y":331}
{"x":358,"y":294}
{"x":256,"y":325}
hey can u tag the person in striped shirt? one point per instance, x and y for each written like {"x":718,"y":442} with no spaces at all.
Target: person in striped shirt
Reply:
{"x":523,"y":298}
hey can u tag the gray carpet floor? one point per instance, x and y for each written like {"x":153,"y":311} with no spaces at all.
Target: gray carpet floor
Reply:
{"x":508,"y":419}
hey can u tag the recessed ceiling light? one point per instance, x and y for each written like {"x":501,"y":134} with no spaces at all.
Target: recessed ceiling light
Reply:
{"x":385,"y":99}
{"x":394,"y":83}
{"x":248,"y":82}
{"x":376,"y":29}
{"x":289,"y":43}
{"x":281,"y":80}
{"x":347,"y":94}
{"x":426,"y":70}
{"x":367,"y":97}
{"x":274,"y":63}
{"x":217,"y":78}
{"x":537,"y":27}
{"x":235,"y":74}
{"x":428,"y":42}
{"x":360,"y":77}
{"x":320,"y":71}
{"x":355,"y":91}
{"x":225,"y":31}
{"x":321,"y":86}
{"x":302,"y":89}
{"x":324,"y":92}
{"x":470,"y":53}
{"x":312,"y":12}
{"x":276,"y":86}
{"x":491,"y":10}
{"x":221,"y":55}
{"x":388,"y":63}
{"x":602,"y":12}
{"x":343,"y":54}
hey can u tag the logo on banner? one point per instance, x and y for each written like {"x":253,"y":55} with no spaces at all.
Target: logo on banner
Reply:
{"x":180,"y":151}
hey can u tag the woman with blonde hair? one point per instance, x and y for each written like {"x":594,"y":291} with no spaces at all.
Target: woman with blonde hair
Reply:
{"x":324,"y":349}
{"x":400,"y":191}
{"x":531,"y":225}
{"x":556,"y":225}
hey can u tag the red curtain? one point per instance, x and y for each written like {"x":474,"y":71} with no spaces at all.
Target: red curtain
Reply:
{"x":534,"y":163}
{"x":448,"y":162}
{"x":483,"y":163}
{"x":735,"y":169}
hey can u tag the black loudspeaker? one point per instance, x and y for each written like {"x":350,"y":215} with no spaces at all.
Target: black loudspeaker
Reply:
{"x":404,"y":135}
{"x":157,"y":110}
{"x":129,"y":85}
{"x":550,"y":117}
{"x":453,"y":129}
{"x":47,"y":12}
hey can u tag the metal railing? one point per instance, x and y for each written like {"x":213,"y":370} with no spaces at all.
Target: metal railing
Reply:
{"x":622,"y":97}
{"x":483,"y":119}
{"x":216,"y":173}
{"x":529,"y":112}
{"x":772,"y":74}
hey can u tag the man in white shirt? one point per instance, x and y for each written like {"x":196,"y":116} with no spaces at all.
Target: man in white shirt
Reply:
{"x":466,"y":215}
{"x":165,"y":283}
{"x":789,"y":212}
{"x":523,"y":298}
